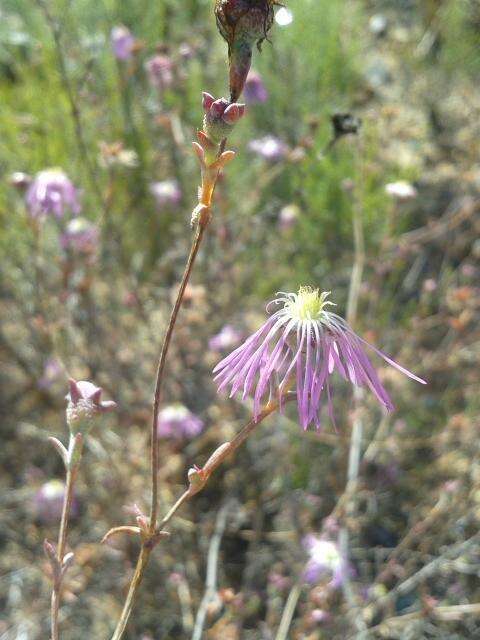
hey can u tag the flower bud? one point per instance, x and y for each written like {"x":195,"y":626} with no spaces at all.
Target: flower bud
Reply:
{"x":84,"y":403}
{"x":220,"y":116}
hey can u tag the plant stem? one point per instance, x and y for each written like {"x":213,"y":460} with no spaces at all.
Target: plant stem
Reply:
{"x":205,"y":199}
{"x":62,"y":535}
{"x":287,"y":616}
{"x":132,"y":590}
{"x":212,"y":567}
{"x":160,"y":372}
{"x":146,"y":549}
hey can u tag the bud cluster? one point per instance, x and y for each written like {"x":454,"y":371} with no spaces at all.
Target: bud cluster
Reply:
{"x":220,"y":116}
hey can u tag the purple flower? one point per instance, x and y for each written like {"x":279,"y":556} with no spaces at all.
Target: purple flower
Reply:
{"x":304,"y":341}
{"x":52,"y":371}
{"x":255,"y":91}
{"x":123,"y":42}
{"x":177,"y":422}
{"x":167,"y":193}
{"x":52,"y":193}
{"x":227,"y":338}
{"x":325,"y":561}
{"x":269,"y":148}
{"x":48,"y":502}
{"x":80,"y":236}
{"x":160,"y":71}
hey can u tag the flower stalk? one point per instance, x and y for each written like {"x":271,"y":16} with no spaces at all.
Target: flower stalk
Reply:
{"x":220,"y":117}
{"x":59,"y":561}
{"x":198,"y":478}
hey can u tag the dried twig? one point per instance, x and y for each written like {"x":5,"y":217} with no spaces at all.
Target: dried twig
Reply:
{"x":212,"y":565}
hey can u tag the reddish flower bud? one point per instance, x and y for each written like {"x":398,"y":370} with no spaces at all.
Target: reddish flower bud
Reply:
{"x":220,"y":116}
{"x":207,"y":101}
{"x":233,"y":113}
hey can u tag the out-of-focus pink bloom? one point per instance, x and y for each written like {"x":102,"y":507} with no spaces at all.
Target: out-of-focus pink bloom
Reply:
{"x":176,"y":578}
{"x":160,"y":71}
{"x":52,"y":371}
{"x":227,"y":338}
{"x":305,"y":342}
{"x":52,"y":193}
{"x":48,"y":502}
{"x":325,"y":561}
{"x":401,"y":190}
{"x":177,"y":422}
{"x":469,"y":270}
{"x":269,"y":148}
{"x":279,"y":582}
{"x":255,"y":91}
{"x":80,"y":236}
{"x":167,"y":193}
{"x":123,"y":42}
{"x":186,"y":51}
{"x":319,"y":616}
{"x":288,"y":217}
{"x":430,"y":285}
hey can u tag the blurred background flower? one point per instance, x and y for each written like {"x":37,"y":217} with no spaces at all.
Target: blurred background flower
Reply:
{"x":123,"y":43}
{"x":52,"y":193}
{"x":177,"y":422}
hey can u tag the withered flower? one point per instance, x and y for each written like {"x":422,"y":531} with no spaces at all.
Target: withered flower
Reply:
{"x":243,"y":23}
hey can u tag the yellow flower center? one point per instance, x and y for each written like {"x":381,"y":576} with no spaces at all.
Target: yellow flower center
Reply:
{"x":309,"y":304}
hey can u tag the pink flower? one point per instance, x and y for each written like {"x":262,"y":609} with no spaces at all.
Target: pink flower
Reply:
{"x":80,"y":236}
{"x":227,"y":338}
{"x":304,"y":342}
{"x":269,"y":148}
{"x":177,"y":422}
{"x":48,"y":502}
{"x":254,"y":90}
{"x":52,"y":371}
{"x":167,"y":193}
{"x":123,"y":42}
{"x":160,"y":71}
{"x":325,"y":561}
{"x":52,"y":193}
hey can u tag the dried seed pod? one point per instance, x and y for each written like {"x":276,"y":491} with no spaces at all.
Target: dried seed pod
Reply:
{"x":242,"y":23}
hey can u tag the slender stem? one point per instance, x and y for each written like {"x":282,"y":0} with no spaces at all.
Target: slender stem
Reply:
{"x":132,"y":590}
{"x":62,"y":538}
{"x":205,"y":198}
{"x":160,"y":371}
{"x":291,"y":605}
{"x":355,"y":449}
{"x":212,"y":566}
